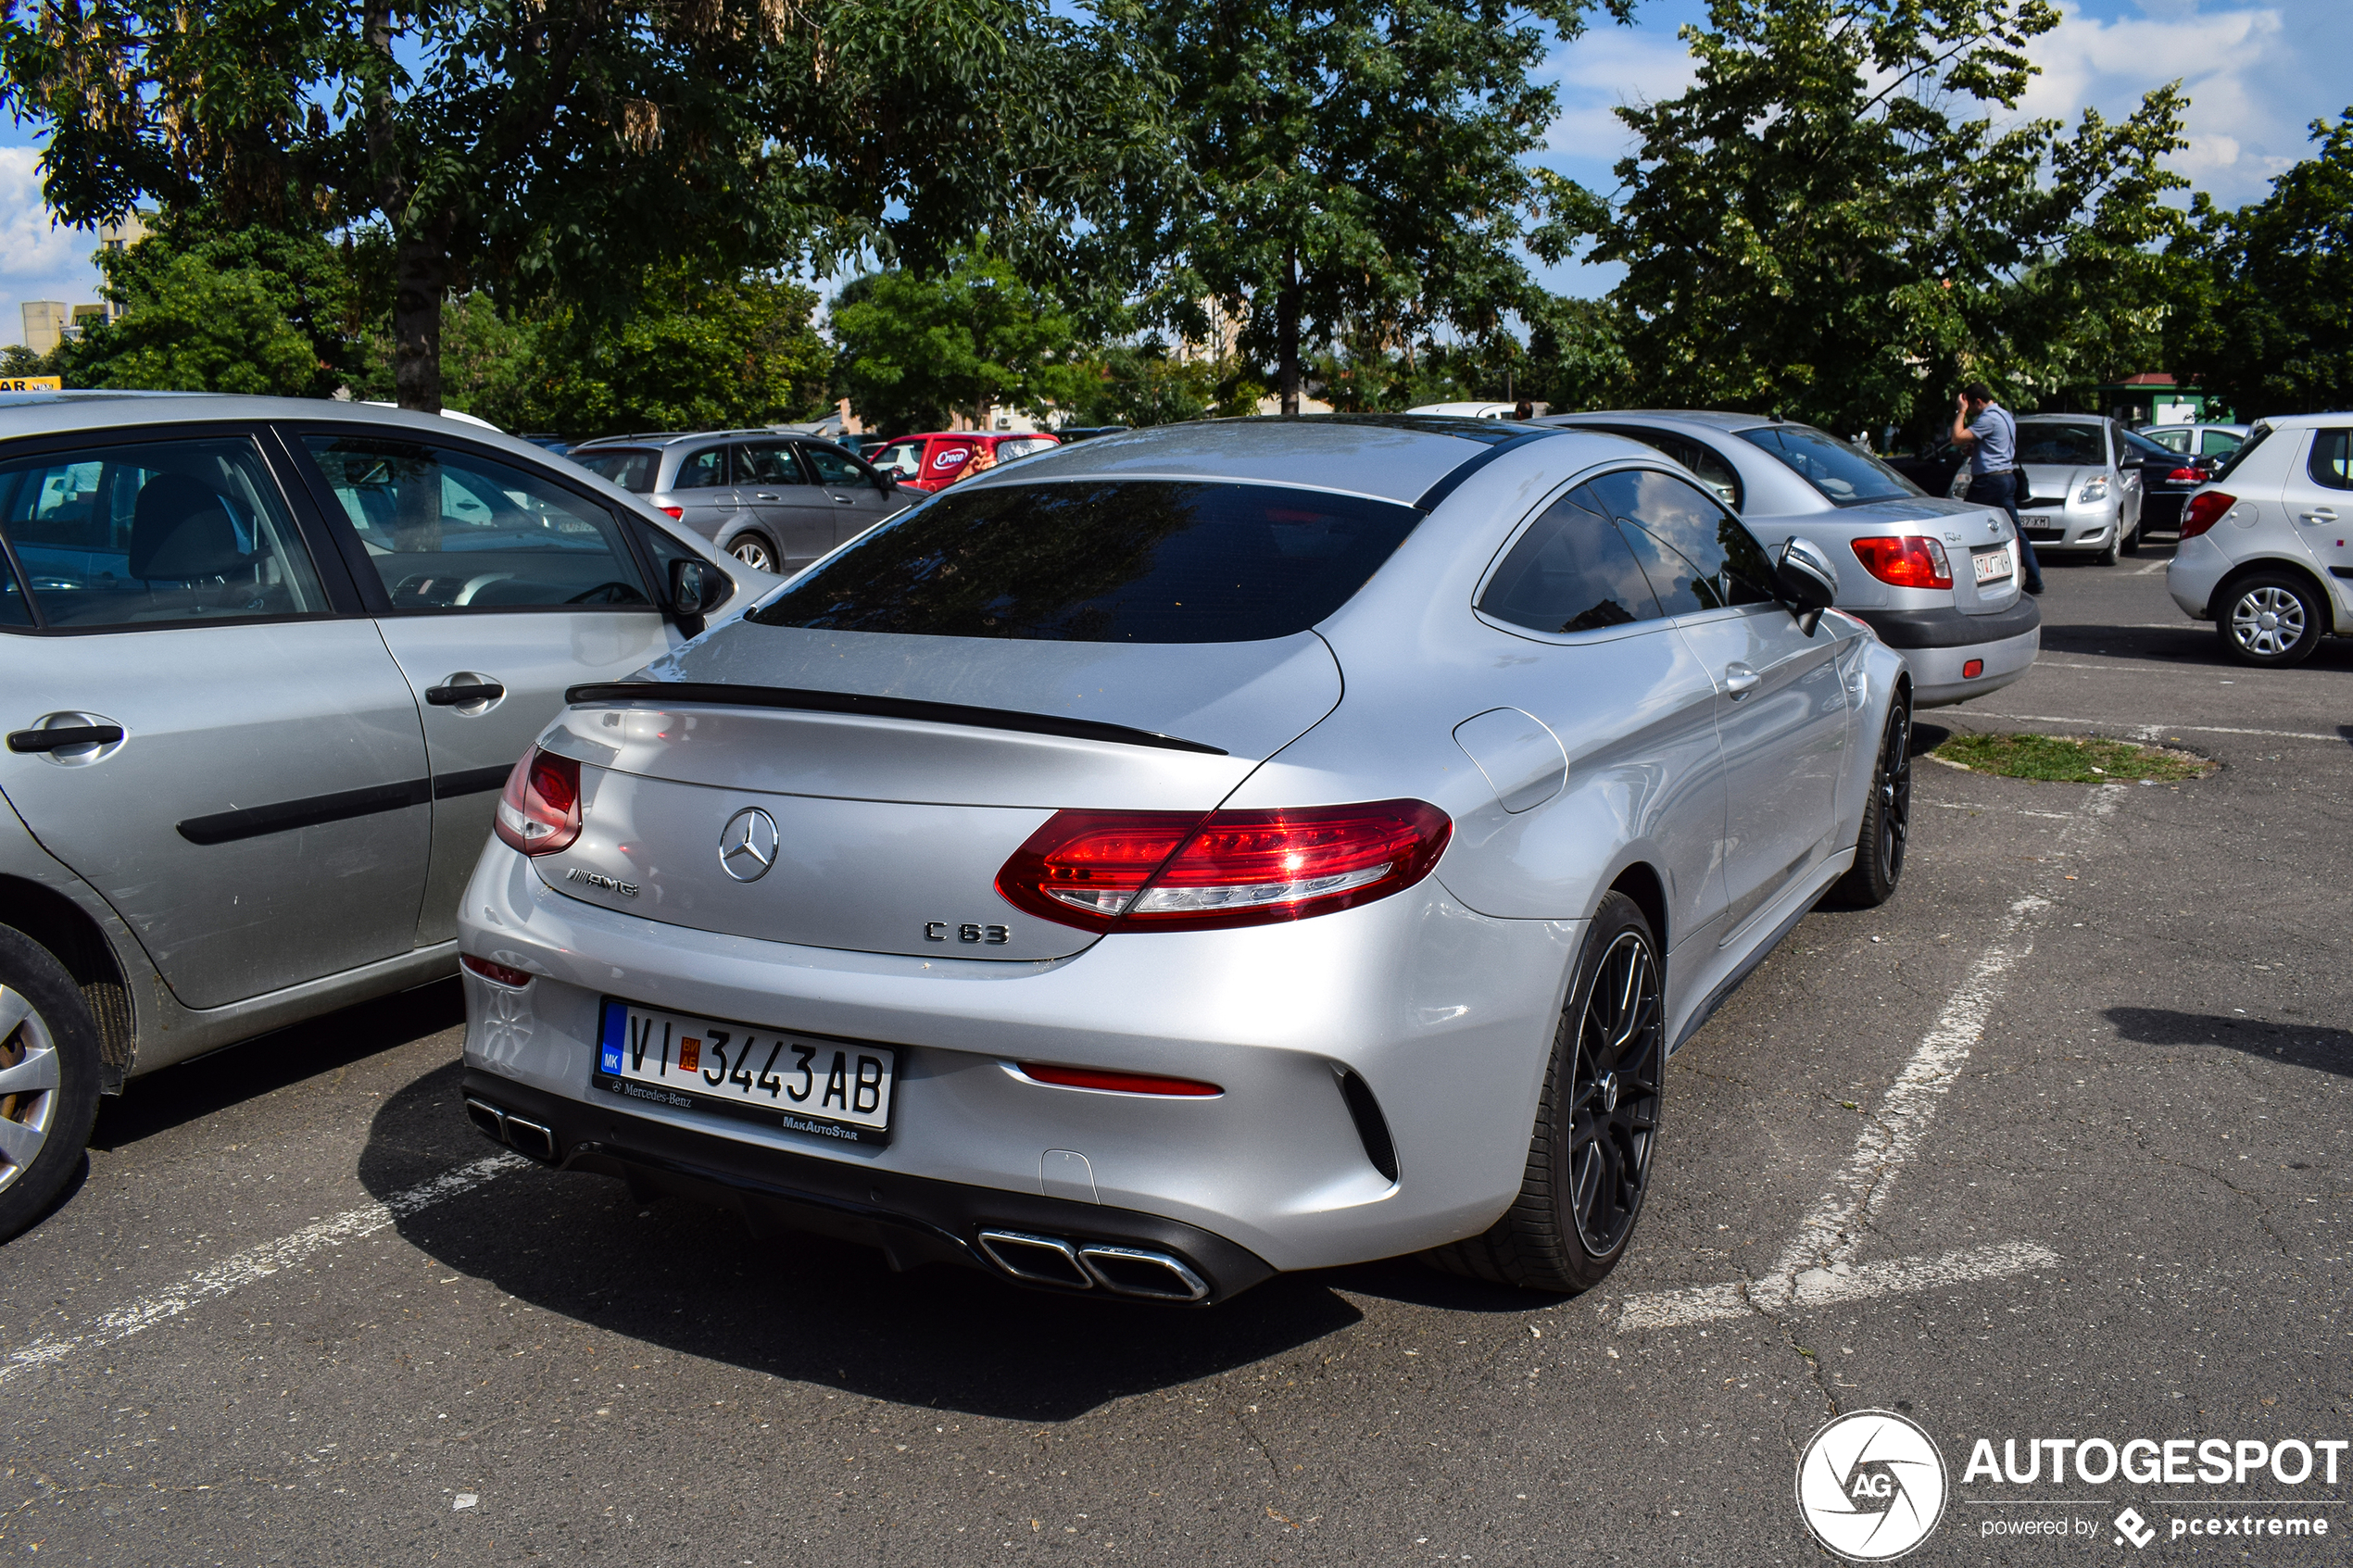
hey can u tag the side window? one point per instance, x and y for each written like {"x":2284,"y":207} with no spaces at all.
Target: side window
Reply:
{"x":446,"y":529}
{"x":1571,"y":571}
{"x":901,"y":459}
{"x":2171,"y":439}
{"x":1697,"y":555}
{"x":2214,"y":443}
{"x":2333,"y":459}
{"x":1713,"y":470}
{"x":158,"y":533}
{"x":834,"y":467}
{"x":705,"y":469}
{"x":14,"y":610}
{"x":767,"y":462}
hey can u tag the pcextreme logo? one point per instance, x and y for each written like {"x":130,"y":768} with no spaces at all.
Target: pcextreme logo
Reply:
{"x":1870,"y":1486}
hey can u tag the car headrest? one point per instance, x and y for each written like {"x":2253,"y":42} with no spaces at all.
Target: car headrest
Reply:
{"x":181,"y":529}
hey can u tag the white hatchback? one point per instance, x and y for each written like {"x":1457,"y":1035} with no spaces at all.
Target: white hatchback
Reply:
{"x":2264,"y":552}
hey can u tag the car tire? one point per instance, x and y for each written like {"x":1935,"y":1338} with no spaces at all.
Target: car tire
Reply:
{"x":753,"y":551}
{"x":2109,"y":551}
{"x":48,"y":1079}
{"x":2297,"y":612}
{"x":2132,"y":546}
{"x":1594,"y":1146}
{"x":1887,"y":819}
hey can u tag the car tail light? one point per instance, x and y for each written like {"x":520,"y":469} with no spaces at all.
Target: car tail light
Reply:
{"x":1118,"y":1082}
{"x":1972,"y":669}
{"x":1162,"y":870}
{"x":2205,"y":512}
{"x":1913,"y":562}
{"x":539,"y":813}
{"x":504,"y":973}
{"x":673,"y":513}
{"x":2187,"y":476}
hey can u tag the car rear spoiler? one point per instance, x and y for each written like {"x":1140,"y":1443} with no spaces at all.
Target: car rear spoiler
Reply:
{"x":700,"y":694}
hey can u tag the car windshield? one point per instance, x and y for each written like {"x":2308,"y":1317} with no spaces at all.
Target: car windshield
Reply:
{"x":2062,"y":445}
{"x":2230,"y":464}
{"x":2141,"y":446}
{"x":1845,"y":475}
{"x":1103,"y":562}
{"x":901,"y":460}
{"x":633,"y":470}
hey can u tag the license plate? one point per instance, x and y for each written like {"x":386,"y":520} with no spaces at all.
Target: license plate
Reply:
{"x":837,"y":1089}
{"x":1992,"y":566}
{"x":2038,"y":519}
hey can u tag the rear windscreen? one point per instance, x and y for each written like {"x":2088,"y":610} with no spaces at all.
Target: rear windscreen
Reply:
{"x":1103,"y":562}
{"x":631,"y":470}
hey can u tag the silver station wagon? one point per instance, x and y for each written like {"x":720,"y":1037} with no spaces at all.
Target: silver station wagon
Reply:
{"x":1192,"y":854}
{"x":268,"y":664}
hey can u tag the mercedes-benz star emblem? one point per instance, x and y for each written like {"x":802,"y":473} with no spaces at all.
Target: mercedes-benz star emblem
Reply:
{"x":748,"y":844}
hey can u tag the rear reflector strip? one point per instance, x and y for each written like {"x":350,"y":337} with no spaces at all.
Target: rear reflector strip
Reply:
{"x":1972,"y":669}
{"x":1117,"y":1082}
{"x":503,"y":974}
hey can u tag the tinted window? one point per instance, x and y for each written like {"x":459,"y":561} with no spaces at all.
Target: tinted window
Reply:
{"x":446,"y":529}
{"x":631,"y":470}
{"x":2331,"y":462}
{"x":2216,"y":443}
{"x":161,"y":532}
{"x":1696,"y":555}
{"x":2067,"y":446}
{"x":701,"y":470}
{"x":1571,"y":571}
{"x":767,"y":462}
{"x":14,"y":611}
{"x":1713,"y":470}
{"x":834,"y":467}
{"x":2140,"y":446}
{"x":1845,"y":475}
{"x":1135,"y":561}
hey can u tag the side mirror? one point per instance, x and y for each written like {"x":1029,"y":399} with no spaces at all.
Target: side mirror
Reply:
{"x":1806,"y":580}
{"x":696,"y":587}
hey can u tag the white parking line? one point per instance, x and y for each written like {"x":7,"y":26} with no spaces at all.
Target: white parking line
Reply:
{"x":2150,"y":731}
{"x":257,"y":1263}
{"x":1819,"y":1263}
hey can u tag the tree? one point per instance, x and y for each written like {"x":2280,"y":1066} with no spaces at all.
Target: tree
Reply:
{"x":916,"y":349}
{"x":1811,"y":226}
{"x":560,"y":147}
{"x":190,"y":326}
{"x":1354,"y":165}
{"x":2263,"y":311}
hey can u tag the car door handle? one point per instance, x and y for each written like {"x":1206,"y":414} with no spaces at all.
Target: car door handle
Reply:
{"x":64,"y":736}
{"x":2320,"y":514}
{"x":1739,"y":680}
{"x":454,"y":695}
{"x":763,"y":496}
{"x":845,"y":501}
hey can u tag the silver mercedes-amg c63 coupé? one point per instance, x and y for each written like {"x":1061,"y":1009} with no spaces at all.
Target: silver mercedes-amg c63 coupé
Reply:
{"x":1192,"y":854}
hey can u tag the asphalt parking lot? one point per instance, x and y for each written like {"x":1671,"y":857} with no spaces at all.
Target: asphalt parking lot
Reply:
{"x":2054,"y":1145}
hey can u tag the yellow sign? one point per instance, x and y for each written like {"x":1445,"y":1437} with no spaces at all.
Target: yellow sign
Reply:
{"x":31,"y":384}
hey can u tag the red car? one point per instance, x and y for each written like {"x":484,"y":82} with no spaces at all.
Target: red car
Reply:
{"x":936,"y":461}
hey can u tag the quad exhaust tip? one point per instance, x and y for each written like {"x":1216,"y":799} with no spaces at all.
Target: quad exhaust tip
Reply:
{"x":1094,"y":1265}
{"x":522,"y":1137}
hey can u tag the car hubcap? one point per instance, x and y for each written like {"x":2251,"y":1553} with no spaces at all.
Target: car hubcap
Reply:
{"x":1613,"y":1116}
{"x":29,"y":1082}
{"x":752,"y":553}
{"x":1895,"y":794}
{"x":2269,"y":622}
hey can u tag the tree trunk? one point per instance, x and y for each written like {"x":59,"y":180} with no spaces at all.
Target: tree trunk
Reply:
{"x":1287,"y":335}
{"x":420,"y":281}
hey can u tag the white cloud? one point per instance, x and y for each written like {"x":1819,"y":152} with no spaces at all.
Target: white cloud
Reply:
{"x":38,"y":258}
{"x":1608,"y":68}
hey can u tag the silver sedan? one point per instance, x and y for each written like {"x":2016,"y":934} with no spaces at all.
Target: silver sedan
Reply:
{"x":1191,"y":854}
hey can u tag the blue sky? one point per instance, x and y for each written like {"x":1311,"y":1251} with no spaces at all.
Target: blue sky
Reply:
{"x":2257,"y":71}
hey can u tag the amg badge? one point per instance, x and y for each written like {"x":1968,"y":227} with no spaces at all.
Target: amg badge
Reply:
{"x":598,"y":879}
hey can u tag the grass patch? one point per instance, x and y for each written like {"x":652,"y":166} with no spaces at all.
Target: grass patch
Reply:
{"x":2072,"y":758}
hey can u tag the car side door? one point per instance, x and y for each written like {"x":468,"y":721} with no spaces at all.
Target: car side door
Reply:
{"x":861,"y":497}
{"x":246,"y":782}
{"x":2320,"y":508}
{"x":496,"y":586}
{"x":796,"y":511}
{"x":1782,"y":707}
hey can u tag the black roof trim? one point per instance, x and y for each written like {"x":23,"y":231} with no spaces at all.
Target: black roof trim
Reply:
{"x":1521,"y":436}
{"x":712,"y":695}
{"x":1490,"y":432}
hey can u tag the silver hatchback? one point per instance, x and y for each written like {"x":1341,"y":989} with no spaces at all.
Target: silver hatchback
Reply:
{"x":774,"y":501}
{"x":1191,"y":854}
{"x":269,"y":665}
{"x":1938,"y":579}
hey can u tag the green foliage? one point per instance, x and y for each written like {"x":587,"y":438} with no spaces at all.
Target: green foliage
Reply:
{"x":191,"y":326}
{"x":2262,"y":306}
{"x":1353,"y":166}
{"x":916,"y":349}
{"x":1141,"y":384}
{"x":1813,"y":227}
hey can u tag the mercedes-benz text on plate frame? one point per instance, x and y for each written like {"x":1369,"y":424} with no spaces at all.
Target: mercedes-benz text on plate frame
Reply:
{"x":838,"y":1089}
{"x":748,"y":844}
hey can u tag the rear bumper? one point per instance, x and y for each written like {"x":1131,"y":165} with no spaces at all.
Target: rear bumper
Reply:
{"x":2199,"y":565}
{"x":910,"y":1220}
{"x":1905,"y":630}
{"x":1939,"y":678}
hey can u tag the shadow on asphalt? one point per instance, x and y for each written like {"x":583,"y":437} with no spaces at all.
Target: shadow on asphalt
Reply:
{"x":191,"y":1089}
{"x":682,"y":1278}
{"x":2322,"y":1049}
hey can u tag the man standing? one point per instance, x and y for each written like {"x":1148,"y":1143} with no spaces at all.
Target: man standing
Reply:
{"x":1987,"y":429}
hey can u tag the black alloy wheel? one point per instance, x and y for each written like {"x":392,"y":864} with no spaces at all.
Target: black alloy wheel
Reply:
{"x":1887,"y":817}
{"x":1596,"y":1135}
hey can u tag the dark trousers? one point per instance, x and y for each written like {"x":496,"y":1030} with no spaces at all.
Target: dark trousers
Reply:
{"x":2001,"y":489}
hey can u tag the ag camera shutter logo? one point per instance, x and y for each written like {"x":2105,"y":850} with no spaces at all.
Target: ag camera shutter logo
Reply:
{"x":1871,"y":1486}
